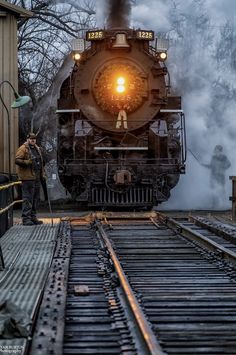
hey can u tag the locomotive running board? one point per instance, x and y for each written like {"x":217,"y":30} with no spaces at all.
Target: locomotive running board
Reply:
{"x":68,"y":110}
{"x":120,"y":148}
{"x":171,"y":111}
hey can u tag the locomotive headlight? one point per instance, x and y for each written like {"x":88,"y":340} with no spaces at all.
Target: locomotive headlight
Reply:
{"x":120,"y":85}
{"x":120,"y":88}
{"x":121,"y":81}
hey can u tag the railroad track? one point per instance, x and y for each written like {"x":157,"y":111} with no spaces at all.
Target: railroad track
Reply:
{"x":147,"y":284}
{"x":89,"y":323}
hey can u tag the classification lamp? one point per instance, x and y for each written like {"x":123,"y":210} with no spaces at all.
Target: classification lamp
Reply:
{"x":76,"y":56}
{"x":162,"y":56}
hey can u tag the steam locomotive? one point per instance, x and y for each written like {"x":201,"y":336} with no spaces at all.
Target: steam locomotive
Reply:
{"x":121,"y":139}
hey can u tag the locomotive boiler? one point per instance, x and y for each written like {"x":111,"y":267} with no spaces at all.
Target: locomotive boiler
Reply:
{"x":121,"y":139}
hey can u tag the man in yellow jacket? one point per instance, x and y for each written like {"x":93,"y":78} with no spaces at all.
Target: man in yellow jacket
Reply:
{"x":30,"y":169}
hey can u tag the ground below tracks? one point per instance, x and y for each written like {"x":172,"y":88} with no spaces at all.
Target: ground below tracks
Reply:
{"x":185,"y":291}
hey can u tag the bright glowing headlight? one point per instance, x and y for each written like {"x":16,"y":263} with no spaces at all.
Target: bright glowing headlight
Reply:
{"x":121,"y":81}
{"x":120,"y":88}
{"x":120,"y":85}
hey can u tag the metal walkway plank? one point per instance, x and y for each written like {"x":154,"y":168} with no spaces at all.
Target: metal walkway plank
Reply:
{"x":28,"y":253}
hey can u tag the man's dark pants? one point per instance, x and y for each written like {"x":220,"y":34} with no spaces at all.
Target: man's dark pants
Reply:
{"x":30,"y":196}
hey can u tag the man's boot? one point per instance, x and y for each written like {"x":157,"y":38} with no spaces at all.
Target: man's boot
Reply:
{"x":36,"y":221}
{"x":27,"y":222}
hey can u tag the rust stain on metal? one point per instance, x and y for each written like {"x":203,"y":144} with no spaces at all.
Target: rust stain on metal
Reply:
{"x":81,"y":290}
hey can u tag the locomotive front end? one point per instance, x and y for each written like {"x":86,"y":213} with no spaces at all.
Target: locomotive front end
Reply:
{"x":121,"y":135}
{"x":115,"y":76}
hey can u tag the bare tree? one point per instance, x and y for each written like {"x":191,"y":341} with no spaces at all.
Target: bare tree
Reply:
{"x":45,"y":39}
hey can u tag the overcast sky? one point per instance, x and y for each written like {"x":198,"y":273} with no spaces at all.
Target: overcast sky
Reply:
{"x":155,"y":13}
{"x":147,"y":13}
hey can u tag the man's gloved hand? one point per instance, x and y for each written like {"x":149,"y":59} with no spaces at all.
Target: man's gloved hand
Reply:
{"x":28,"y":162}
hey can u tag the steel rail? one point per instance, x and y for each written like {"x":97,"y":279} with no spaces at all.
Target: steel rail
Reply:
{"x":149,"y":337}
{"x":227,"y":234}
{"x":195,"y":236}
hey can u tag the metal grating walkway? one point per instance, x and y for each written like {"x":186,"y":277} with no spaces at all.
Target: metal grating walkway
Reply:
{"x":27,"y":253}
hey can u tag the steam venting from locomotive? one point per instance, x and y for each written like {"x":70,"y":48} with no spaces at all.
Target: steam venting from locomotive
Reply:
{"x":118,"y":13}
{"x":121,"y":135}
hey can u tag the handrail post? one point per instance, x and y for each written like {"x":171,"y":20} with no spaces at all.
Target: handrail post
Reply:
{"x":6,"y":209}
{"x":233,"y":197}
{"x":1,"y":258}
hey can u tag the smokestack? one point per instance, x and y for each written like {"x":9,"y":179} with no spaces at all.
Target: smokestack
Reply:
{"x":118,"y":13}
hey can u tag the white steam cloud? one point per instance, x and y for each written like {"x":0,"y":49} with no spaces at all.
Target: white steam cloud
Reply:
{"x":202,"y":65}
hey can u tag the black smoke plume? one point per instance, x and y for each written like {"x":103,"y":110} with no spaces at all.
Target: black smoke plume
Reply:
{"x":118,"y":13}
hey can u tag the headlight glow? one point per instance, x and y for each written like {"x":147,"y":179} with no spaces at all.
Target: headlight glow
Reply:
{"x":120,"y":86}
{"x":120,"y":89}
{"x":121,"y":81}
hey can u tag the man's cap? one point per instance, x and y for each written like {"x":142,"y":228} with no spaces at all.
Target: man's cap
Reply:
{"x":31,"y":135}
